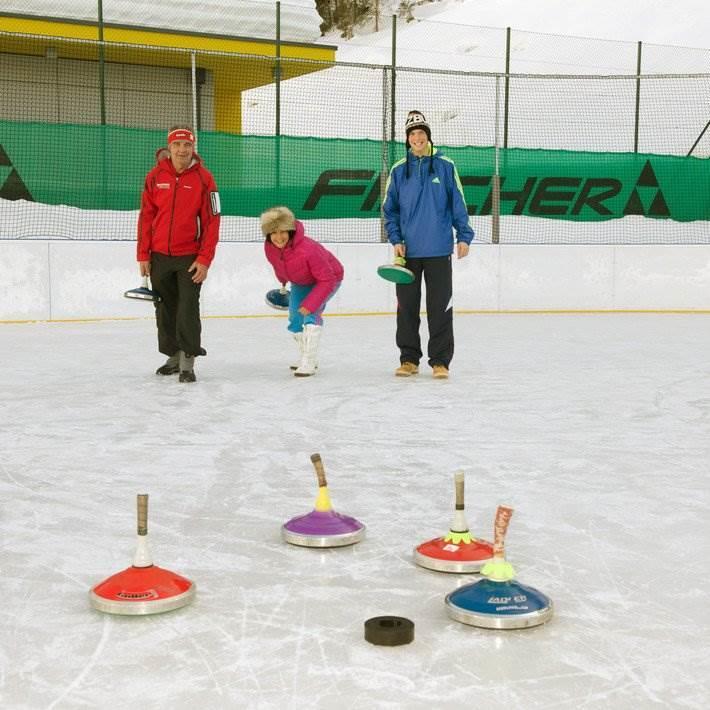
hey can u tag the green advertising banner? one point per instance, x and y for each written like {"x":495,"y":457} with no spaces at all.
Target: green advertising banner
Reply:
{"x":95,"y":167}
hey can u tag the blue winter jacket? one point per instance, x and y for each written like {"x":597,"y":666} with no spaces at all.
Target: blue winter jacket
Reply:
{"x":422,"y":210}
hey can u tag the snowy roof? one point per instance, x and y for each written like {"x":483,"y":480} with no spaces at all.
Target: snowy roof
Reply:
{"x":245,"y":18}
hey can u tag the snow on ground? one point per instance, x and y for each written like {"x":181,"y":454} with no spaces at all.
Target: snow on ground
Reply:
{"x":593,"y":428}
{"x":547,"y":36}
{"x":685,"y":23}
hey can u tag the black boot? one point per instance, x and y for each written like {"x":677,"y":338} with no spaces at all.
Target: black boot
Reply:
{"x":171,"y":366}
{"x":187,"y":367}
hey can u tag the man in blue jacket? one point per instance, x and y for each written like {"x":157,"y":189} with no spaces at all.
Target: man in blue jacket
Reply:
{"x":424,"y":204}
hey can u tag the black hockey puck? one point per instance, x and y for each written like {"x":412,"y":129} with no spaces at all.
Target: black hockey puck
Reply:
{"x":389,"y":630}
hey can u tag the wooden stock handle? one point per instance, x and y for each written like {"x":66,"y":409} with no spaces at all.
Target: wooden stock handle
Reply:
{"x":142,"y":513}
{"x":500,"y":527}
{"x":320,"y":471}
{"x":459,"y":481}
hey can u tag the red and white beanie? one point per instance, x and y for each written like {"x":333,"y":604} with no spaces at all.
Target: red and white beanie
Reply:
{"x":181,"y":134}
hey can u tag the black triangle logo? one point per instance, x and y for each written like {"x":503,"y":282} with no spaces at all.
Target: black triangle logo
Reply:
{"x":647,"y":178}
{"x":659,"y":208}
{"x":634,"y":206}
{"x":4,"y":160}
{"x":14,"y":188}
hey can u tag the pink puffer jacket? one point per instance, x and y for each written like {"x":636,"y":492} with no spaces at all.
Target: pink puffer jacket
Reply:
{"x":304,"y":261}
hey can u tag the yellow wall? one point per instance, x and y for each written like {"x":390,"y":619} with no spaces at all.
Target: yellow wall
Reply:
{"x":232,"y":74}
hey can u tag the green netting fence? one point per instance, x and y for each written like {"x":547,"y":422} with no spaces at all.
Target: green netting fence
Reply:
{"x":543,"y":158}
{"x":338,"y":178}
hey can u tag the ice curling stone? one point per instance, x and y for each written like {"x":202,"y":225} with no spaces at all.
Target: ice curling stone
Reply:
{"x":278,"y":298}
{"x":143,"y":588}
{"x":458,"y":550}
{"x":396,"y":272}
{"x":322,"y":527}
{"x":143,"y":292}
{"x":499,"y":601}
{"x":389,"y":630}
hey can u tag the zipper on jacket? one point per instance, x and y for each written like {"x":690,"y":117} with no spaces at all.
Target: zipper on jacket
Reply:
{"x":172,"y":213}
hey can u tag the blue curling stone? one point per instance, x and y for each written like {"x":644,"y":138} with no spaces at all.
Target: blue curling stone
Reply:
{"x":499,"y":605}
{"x":278,"y":299}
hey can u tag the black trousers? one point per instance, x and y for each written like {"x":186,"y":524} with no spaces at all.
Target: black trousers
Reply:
{"x":178,"y":314}
{"x":439,"y":309}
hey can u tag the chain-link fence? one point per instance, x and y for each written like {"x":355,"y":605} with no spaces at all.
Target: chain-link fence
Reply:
{"x":543,"y":158}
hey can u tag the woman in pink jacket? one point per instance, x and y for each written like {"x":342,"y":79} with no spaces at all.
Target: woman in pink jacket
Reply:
{"x":315,"y":275}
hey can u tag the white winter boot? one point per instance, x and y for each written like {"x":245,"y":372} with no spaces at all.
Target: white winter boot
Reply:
{"x":298,"y":337}
{"x":309,"y":357}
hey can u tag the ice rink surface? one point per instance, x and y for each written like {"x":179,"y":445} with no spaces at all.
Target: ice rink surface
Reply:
{"x":594,"y":428}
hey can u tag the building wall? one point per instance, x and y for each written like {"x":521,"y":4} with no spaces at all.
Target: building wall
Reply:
{"x":49,"y":71}
{"x":55,"y":90}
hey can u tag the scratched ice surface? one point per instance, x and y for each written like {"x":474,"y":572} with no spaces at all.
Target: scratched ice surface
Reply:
{"x":594,"y":428}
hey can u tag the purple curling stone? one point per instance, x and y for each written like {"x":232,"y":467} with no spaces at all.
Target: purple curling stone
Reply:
{"x":323,"y":529}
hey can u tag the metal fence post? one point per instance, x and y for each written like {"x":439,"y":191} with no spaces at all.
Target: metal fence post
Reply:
{"x":495,"y":191}
{"x":638,"y":98}
{"x":393,"y":105}
{"x":102,"y":78}
{"x":277,"y":69}
{"x":193,"y":67}
{"x":102,"y":103}
{"x":507,"y":87}
{"x":385,"y":157}
{"x":277,"y":128}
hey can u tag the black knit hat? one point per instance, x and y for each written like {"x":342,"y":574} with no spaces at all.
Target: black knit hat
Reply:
{"x":416,"y":119}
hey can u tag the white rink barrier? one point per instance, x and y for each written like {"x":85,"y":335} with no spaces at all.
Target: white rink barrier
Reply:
{"x":63,"y":280}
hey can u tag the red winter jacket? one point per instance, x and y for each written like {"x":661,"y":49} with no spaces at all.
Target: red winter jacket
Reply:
{"x":303,"y":261}
{"x":179,"y":213}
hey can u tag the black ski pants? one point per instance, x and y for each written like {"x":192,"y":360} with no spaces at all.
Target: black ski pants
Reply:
{"x":439,"y":309}
{"x":178,"y":314}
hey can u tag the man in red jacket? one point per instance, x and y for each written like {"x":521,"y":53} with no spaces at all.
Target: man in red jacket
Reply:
{"x":178,"y":229}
